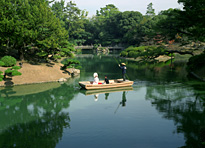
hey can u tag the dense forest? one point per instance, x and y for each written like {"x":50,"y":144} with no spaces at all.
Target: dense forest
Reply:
{"x":43,"y":29}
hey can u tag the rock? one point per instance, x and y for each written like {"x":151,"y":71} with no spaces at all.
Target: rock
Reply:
{"x":62,"y":80}
{"x":73,"y":71}
{"x":77,"y":71}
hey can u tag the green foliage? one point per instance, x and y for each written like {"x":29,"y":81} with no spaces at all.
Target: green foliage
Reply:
{"x":78,"y":67}
{"x":144,"y":52}
{"x":72,"y":19}
{"x":70,"y":63}
{"x":124,"y":54}
{"x":57,"y":57}
{"x":133,"y":54}
{"x":2,"y":63}
{"x":168,"y":23}
{"x":8,"y":61}
{"x":187,"y":22}
{"x":1,"y":76}
{"x":37,"y":29}
{"x":42,"y":54}
{"x":191,"y":18}
{"x":16,"y":67}
{"x":15,"y":73}
{"x":196,"y":62}
{"x":8,"y":71}
{"x":28,"y":24}
{"x":150,"y":11}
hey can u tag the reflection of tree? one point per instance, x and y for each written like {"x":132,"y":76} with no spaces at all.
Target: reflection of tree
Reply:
{"x":104,"y":66}
{"x":44,"y":132}
{"x":35,"y":118}
{"x":180,"y":105}
{"x":157,"y":72}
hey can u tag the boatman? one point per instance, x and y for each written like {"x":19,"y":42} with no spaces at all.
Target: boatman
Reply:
{"x":123,"y":67}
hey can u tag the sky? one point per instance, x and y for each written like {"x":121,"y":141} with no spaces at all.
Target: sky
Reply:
{"x":125,"y":5}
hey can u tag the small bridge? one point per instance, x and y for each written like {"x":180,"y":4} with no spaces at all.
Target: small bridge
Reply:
{"x":91,"y":47}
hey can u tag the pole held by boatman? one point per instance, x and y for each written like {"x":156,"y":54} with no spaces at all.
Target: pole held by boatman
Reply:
{"x":123,"y":67}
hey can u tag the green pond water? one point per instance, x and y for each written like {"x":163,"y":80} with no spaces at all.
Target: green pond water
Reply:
{"x":164,"y":109}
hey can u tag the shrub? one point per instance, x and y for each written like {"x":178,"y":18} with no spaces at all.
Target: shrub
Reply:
{"x":1,"y":76}
{"x":57,"y":57}
{"x":145,"y":52}
{"x":8,"y":71}
{"x":133,"y":54}
{"x":123,"y":53}
{"x":70,"y":63}
{"x":62,"y":54}
{"x":16,"y":67}
{"x":195,"y":62}
{"x":2,"y":63}
{"x":8,"y":61}
{"x":15,"y":73}
{"x":12,"y":71}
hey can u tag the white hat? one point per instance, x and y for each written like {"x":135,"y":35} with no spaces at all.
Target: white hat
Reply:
{"x":95,"y":74}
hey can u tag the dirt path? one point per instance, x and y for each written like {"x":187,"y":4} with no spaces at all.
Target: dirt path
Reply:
{"x":36,"y":74}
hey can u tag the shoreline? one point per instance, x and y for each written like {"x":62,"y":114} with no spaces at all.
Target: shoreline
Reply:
{"x":35,"y":74}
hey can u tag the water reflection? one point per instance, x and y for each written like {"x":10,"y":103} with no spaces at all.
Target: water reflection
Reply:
{"x":96,"y":97}
{"x":123,"y":102}
{"x":49,"y":115}
{"x":181,"y":105}
{"x":106,"y":96}
{"x":31,"y":120}
{"x":105,"y":91}
{"x":96,"y":93}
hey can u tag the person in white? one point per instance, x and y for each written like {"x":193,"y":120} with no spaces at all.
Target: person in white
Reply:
{"x":96,"y":79}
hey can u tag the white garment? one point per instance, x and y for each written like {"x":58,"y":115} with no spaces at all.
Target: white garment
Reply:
{"x":96,"y":80}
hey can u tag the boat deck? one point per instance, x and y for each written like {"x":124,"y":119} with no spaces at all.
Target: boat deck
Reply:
{"x":113,"y":84}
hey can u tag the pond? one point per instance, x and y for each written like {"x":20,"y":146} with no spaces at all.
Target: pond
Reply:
{"x":164,"y":108}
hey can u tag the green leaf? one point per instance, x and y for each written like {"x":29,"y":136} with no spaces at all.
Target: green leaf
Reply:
{"x":16,"y":73}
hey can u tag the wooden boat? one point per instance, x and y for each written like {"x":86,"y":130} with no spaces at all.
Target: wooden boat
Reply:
{"x":113,"y":84}
{"x":108,"y":90}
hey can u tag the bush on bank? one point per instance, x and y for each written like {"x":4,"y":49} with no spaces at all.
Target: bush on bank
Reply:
{"x":8,"y":61}
{"x":196,"y":63}
{"x":144,"y":52}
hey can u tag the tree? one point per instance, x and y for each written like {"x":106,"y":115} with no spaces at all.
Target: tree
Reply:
{"x":186,"y":23}
{"x":104,"y":24}
{"x":107,"y":11}
{"x":129,"y":27}
{"x":150,"y":11}
{"x":193,"y":16}
{"x":72,"y":19}
{"x":168,"y":24}
{"x":28,"y":28}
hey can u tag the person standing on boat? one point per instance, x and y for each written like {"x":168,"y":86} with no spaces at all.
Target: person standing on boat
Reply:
{"x":96,"y":79}
{"x":123,"y":67}
{"x":106,"y":80}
